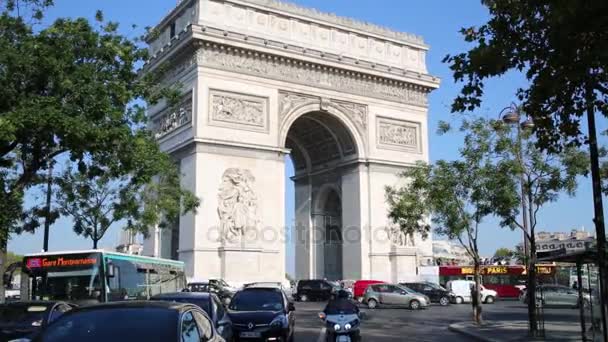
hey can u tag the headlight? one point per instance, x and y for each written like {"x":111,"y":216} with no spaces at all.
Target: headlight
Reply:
{"x":347,"y":326}
{"x":337,"y":327}
{"x":278,"y":322}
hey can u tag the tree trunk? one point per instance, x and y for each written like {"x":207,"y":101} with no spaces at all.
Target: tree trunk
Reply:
{"x":95,"y":243}
{"x":475,"y":294}
{"x":531,"y":288}
{"x":3,"y":247}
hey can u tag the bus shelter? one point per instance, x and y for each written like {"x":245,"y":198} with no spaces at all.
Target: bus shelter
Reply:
{"x":588,"y":288}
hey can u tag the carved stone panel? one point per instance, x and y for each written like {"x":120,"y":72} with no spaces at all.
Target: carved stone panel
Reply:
{"x":237,"y":205}
{"x":172,"y":118}
{"x":398,"y":134}
{"x":239,"y":111}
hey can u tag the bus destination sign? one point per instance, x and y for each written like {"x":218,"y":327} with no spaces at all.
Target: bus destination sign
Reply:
{"x":60,"y":261}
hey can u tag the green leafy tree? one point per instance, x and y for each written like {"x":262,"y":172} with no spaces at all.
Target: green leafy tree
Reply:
{"x":458,"y":196}
{"x":544,"y":177}
{"x":560,"y":46}
{"x":98,"y":202}
{"x":503,"y":253}
{"x":68,"y":90}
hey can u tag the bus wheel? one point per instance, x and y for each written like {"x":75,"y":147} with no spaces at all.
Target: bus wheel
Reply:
{"x":459,"y":300}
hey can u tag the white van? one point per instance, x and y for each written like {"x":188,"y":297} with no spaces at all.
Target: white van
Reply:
{"x":462,"y":292}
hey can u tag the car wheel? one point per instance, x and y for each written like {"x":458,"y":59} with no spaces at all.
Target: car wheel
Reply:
{"x":444,"y":301}
{"x":459,"y":300}
{"x":372,"y":304}
{"x":490,"y":300}
{"x":414,"y":305}
{"x":303,"y":298}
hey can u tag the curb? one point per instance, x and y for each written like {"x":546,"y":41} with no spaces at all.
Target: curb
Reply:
{"x":458,"y":328}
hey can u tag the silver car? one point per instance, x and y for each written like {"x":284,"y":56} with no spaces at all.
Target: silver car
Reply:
{"x":394,"y":295}
{"x":556,"y":295}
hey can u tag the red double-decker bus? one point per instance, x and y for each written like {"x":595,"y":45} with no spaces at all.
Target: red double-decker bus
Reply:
{"x":505,"y":280}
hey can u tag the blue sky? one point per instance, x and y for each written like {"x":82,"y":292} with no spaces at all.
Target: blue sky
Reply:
{"x":437,"y":21}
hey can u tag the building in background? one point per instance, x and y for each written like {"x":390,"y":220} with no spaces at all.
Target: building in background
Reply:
{"x":448,"y":252}
{"x":574,"y":241}
{"x":129,"y":243}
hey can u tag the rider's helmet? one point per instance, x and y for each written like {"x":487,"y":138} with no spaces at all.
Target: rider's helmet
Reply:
{"x":343,"y":294}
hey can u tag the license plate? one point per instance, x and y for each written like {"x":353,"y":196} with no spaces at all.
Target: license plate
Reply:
{"x":250,"y":334}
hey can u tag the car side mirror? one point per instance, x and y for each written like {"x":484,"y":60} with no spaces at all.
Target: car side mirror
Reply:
{"x":291,"y":307}
{"x":322,"y":316}
{"x":403,"y":292}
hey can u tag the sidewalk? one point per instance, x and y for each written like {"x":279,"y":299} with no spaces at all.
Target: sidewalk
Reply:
{"x":514,"y":331}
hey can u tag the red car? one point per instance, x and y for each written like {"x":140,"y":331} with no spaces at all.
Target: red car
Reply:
{"x":361,"y":285}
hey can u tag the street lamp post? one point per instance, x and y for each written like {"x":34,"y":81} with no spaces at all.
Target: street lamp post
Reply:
{"x":512,"y":116}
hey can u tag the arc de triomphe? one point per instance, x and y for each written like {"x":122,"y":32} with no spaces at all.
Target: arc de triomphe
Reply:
{"x":261,"y":80}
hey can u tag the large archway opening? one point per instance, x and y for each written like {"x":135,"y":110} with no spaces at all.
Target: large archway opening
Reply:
{"x":321,"y":148}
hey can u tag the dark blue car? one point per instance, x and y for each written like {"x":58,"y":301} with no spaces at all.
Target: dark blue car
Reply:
{"x":210,"y":303}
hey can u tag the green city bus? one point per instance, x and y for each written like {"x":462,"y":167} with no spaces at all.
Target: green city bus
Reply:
{"x":88,"y":277}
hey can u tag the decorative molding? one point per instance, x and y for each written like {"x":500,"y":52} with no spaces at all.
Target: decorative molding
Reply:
{"x":338,"y":20}
{"x":173,"y":117}
{"x":236,"y":110}
{"x":289,"y":101}
{"x":237,"y":206}
{"x":310,"y":74}
{"x":398,"y":134}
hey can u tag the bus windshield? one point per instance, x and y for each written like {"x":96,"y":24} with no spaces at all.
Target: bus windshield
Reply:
{"x":70,"y":277}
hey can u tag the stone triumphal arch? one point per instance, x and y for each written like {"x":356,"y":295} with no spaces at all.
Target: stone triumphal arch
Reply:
{"x":262,"y":80}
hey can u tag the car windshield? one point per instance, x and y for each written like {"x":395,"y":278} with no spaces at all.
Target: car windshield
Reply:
{"x":257,"y":300}
{"x":198,"y":287}
{"x":116,"y":325}
{"x":24,"y":315}
{"x":405,"y":288}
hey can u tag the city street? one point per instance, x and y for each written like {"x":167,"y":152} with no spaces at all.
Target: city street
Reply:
{"x":425,"y":325}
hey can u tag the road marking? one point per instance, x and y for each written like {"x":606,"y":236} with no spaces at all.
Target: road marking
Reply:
{"x":322,"y":335}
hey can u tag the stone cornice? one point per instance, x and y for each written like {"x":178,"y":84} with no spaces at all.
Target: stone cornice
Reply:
{"x":334,"y":19}
{"x":244,"y":61}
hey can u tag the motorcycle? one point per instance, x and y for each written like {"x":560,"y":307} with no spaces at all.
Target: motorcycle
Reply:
{"x":341,"y":327}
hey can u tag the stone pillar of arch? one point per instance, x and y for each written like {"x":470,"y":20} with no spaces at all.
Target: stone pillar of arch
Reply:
{"x":262,"y":80}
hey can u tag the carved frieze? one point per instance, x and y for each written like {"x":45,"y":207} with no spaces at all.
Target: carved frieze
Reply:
{"x":172,"y":118}
{"x":357,"y":112}
{"x":398,"y":134}
{"x":310,"y":74}
{"x":289,"y":101}
{"x":400,"y":238}
{"x":238,"y":110}
{"x":237,"y":205}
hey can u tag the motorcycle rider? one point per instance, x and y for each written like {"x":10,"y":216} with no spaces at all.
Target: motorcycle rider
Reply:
{"x":342,"y":305}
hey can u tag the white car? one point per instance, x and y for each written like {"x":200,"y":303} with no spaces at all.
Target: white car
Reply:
{"x":462,"y":292}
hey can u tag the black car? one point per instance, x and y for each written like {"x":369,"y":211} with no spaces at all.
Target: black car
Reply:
{"x":436,"y":293}
{"x":22,"y":319}
{"x":315,"y":289}
{"x":210,"y":303}
{"x":132,"y":321}
{"x":221,"y":291}
{"x":265,"y":314}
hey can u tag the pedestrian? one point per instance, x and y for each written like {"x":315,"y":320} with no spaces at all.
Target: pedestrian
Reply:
{"x":575,"y":285}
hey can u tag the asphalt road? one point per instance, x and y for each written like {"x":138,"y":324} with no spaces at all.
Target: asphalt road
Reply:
{"x":383,"y":325}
